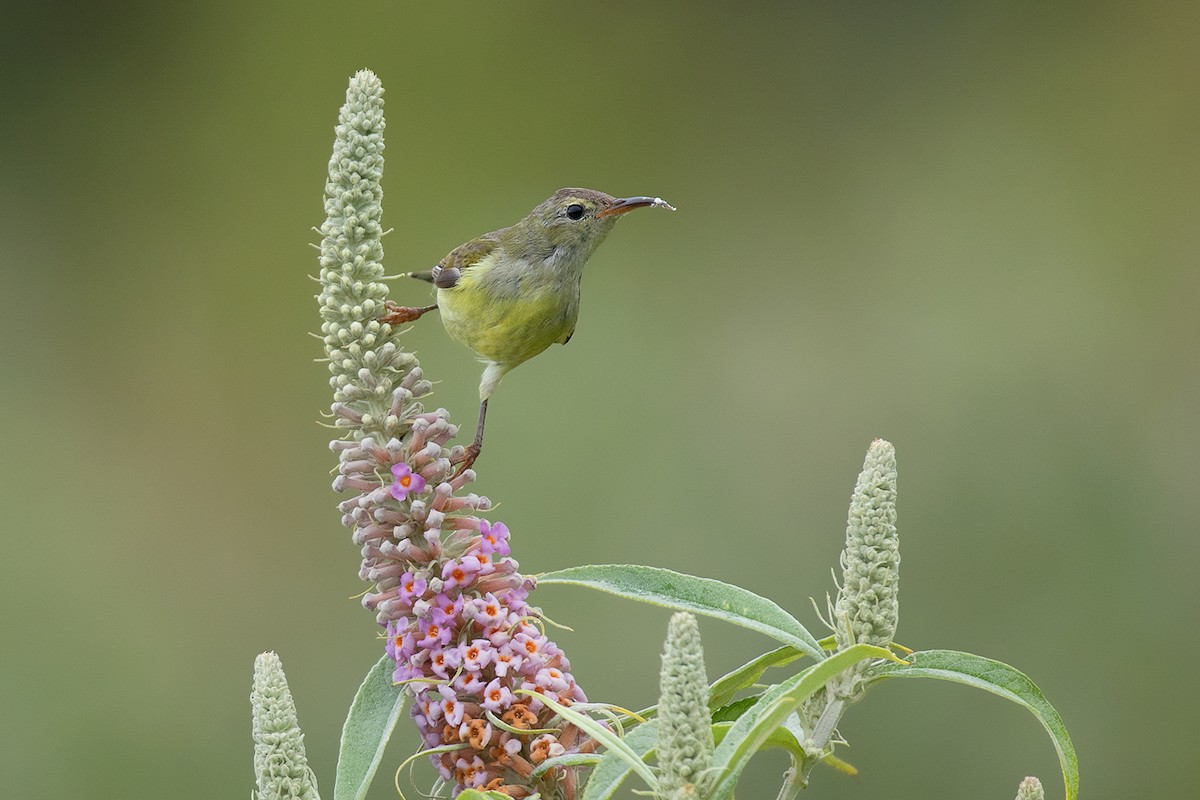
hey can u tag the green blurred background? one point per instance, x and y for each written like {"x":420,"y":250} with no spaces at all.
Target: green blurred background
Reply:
{"x":969,"y":228}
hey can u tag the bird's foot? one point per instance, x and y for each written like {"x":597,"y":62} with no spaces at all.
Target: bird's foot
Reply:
{"x":398,"y":315}
{"x":468,"y":460}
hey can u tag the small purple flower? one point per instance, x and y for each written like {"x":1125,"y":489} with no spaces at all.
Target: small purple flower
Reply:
{"x":412,"y":588}
{"x":430,"y":706}
{"x":433,"y":635}
{"x":552,"y":679}
{"x":476,"y":655}
{"x":407,"y":481}
{"x":499,"y":635}
{"x":443,"y":661}
{"x":478,"y":563}
{"x":497,"y":696}
{"x":452,"y":707}
{"x":530,"y":647}
{"x":488,"y":611}
{"x":494,"y":538}
{"x":507,"y":660}
{"x":446,"y":610}
{"x":459,"y":574}
{"x":400,"y":645}
{"x":468,"y":683}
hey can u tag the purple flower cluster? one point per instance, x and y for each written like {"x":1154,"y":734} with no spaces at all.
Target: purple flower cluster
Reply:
{"x":453,"y":604}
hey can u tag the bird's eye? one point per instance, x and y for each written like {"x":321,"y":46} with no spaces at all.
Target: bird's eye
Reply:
{"x":575,"y":211}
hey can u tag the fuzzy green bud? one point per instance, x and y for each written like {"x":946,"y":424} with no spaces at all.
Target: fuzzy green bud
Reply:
{"x":685,"y":741}
{"x":280,"y":765}
{"x":1031,"y":789}
{"x":867,"y":606}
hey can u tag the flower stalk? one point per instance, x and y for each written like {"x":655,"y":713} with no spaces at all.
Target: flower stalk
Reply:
{"x":445,"y":588}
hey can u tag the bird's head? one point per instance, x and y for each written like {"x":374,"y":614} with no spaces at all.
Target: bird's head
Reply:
{"x":579,"y":219}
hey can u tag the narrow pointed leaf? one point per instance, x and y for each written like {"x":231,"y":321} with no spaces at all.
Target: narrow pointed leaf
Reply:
{"x":373,"y":715}
{"x":729,"y":713}
{"x":711,"y":598}
{"x":745,"y":676}
{"x":999,"y":679}
{"x":782,"y":738}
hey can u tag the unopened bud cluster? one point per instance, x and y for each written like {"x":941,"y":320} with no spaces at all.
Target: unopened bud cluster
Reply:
{"x":685,"y":740}
{"x":867,"y":606}
{"x":280,"y":766}
{"x":1031,"y":789}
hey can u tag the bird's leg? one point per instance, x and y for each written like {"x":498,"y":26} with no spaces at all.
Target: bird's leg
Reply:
{"x":474,"y":448}
{"x":397,"y":314}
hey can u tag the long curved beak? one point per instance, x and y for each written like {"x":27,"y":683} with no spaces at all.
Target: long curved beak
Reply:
{"x":623,"y":204}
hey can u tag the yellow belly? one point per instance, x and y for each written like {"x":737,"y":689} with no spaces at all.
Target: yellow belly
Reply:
{"x":509,"y":330}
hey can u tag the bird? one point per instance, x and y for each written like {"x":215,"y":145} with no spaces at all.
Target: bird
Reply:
{"x":511,"y":293}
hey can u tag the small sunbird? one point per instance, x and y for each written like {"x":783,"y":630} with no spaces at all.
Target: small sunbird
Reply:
{"x":511,"y":293}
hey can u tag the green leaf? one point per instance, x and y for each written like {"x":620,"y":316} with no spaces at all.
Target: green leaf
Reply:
{"x":782,"y":738}
{"x":745,"y":676}
{"x":373,"y":714}
{"x":1000,"y":679}
{"x":476,"y":794}
{"x":711,"y":598}
{"x":756,"y":725}
{"x":789,"y":736}
{"x":730,"y":712}
{"x":613,"y":768}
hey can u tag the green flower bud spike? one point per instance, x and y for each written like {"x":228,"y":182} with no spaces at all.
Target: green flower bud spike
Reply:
{"x":685,"y":740}
{"x":1031,"y":789}
{"x":867,"y":607}
{"x":367,"y":364}
{"x":280,"y":766}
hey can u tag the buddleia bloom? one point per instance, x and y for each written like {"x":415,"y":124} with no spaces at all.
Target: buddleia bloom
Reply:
{"x":685,"y":740}
{"x":280,"y":765}
{"x":449,"y":596}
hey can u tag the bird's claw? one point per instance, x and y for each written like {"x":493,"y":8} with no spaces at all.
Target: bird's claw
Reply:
{"x":472,"y":453}
{"x":398,"y":314}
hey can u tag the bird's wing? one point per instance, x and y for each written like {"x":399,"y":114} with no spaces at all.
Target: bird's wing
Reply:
{"x":462,"y":258}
